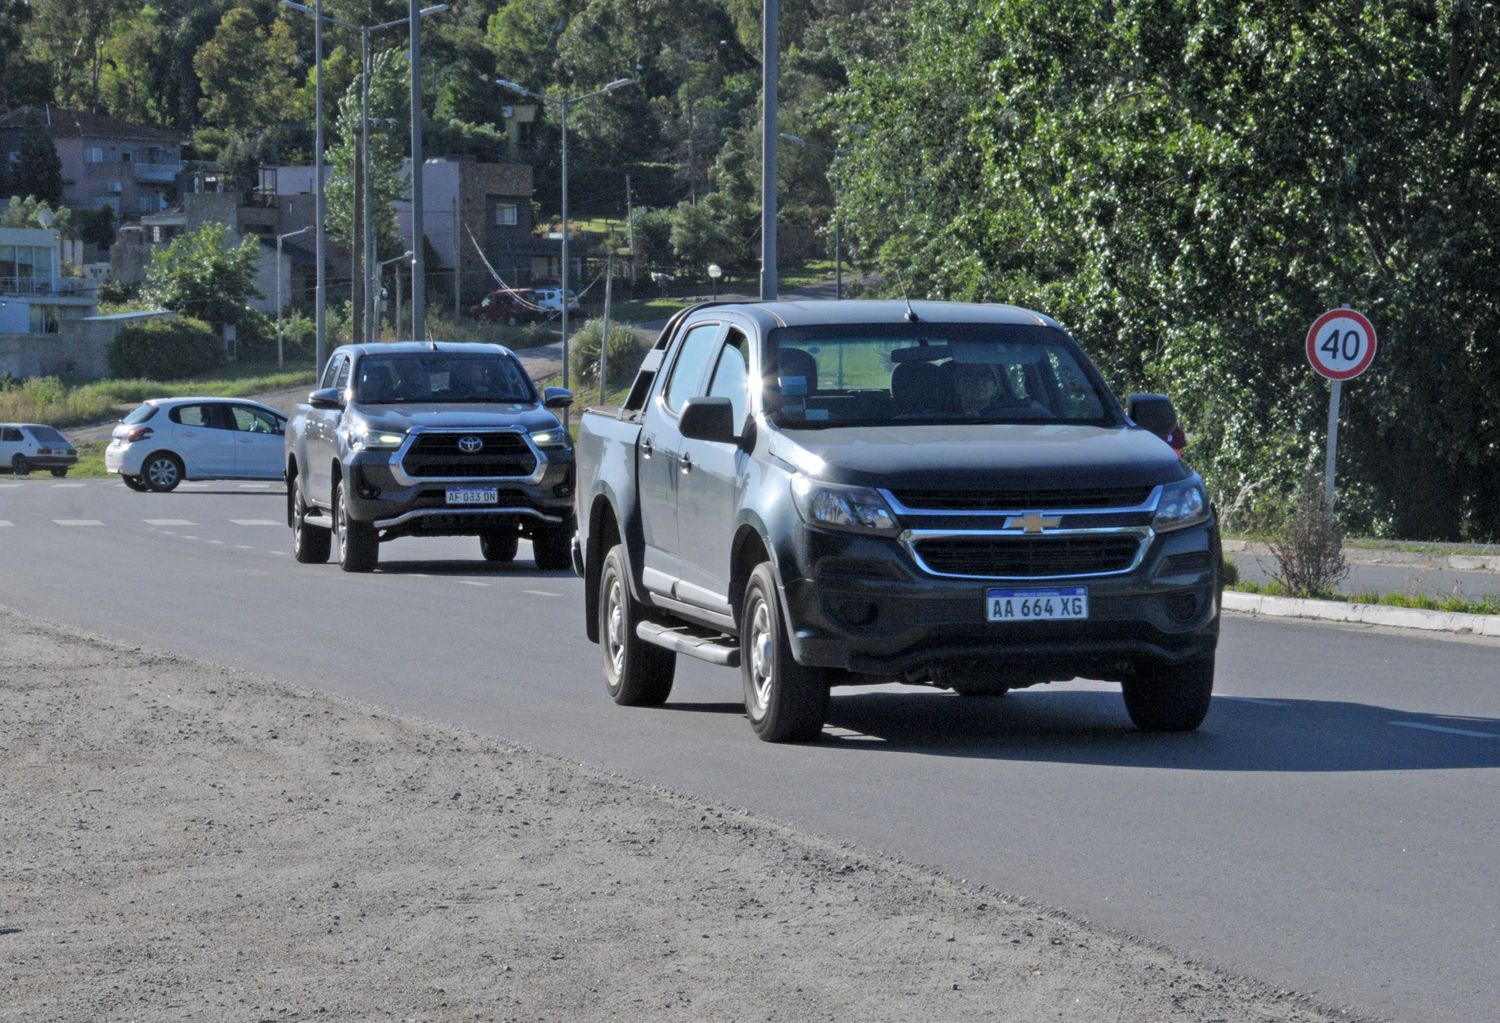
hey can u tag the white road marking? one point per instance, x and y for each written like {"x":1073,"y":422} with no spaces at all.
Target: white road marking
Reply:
{"x":213,"y":541}
{"x":243,"y":547}
{"x":78,"y":522}
{"x":279,"y":554}
{"x":541,"y":593}
{"x":471,"y":582}
{"x":1263,"y":703}
{"x":10,"y":486}
{"x":168,"y":522}
{"x":6,"y":522}
{"x":254,"y":486}
{"x":186,"y":537}
{"x":68,"y":486}
{"x":1445,"y":731}
{"x":255,"y":522}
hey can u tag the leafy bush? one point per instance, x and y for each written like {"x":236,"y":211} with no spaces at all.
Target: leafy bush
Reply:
{"x":166,"y":349}
{"x":1231,"y":572}
{"x":1309,"y":549}
{"x":626,"y":351}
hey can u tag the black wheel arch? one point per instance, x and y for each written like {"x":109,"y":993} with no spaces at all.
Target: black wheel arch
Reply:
{"x":604,"y":533}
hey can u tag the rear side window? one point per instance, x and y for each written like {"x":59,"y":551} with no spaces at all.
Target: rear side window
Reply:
{"x":47,"y":435}
{"x":11,"y":433}
{"x":140,"y":415}
{"x":189,"y":415}
{"x":691,"y":365}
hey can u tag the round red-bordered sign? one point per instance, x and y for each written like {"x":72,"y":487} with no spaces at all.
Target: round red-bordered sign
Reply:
{"x":1341,"y":344}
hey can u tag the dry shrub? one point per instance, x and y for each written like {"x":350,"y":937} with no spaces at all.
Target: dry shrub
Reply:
{"x":1309,"y":549}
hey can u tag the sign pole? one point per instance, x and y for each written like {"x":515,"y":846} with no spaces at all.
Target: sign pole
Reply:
{"x":1333,"y":442}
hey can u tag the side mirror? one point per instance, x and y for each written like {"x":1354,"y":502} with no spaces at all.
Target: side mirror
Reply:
{"x":708,"y":419}
{"x":326,"y":398}
{"x":557,"y":397}
{"x":1154,"y":412}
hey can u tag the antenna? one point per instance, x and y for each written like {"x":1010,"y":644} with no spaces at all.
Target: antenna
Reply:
{"x":911,"y":314}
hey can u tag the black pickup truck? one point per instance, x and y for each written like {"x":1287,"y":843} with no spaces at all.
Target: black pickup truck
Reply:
{"x":836,"y":493}
{"x":428,"y":439}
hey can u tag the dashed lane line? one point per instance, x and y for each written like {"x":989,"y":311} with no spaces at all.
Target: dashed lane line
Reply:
{"x":6,"y":522}
{"x":1445,"y":730}
{"x":77,"y":522}
{"x":541,"y":593}
{"x":471,"y":582}
{"x":169,"y":522}
{"x":243,"y":547}
{"x":255,"y":522}
{"x":68,"y":486}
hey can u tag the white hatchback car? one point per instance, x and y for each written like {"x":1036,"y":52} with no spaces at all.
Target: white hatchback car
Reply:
{"x":27,"y":446}
{"x":168,"y":440}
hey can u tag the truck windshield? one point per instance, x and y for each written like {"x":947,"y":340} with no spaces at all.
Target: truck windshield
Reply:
{"x":427,"y":377}
{"x":871,"y":375}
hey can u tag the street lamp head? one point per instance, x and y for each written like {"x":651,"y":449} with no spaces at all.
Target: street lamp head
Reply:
{"x":618,"y":83}
{"x":515,"y":87}
{"x":797,"y":139}
{"x":298,"y":7}
{"x":431,"y":10}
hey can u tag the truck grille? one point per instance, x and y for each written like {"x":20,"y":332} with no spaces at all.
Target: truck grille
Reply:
{"x":1022,"y":500}
{"x":1028,"y":557}
{"x":503,"y":453}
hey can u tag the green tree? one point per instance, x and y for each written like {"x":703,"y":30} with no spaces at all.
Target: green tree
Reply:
{"x":38,"y":171}
{"x":205,"y":275}
{"x":133,"y":79}
{"x":244,"y":72}
{"x":69,"y":37}
{"x":24,"y":81}
{"x":27,"y":212}
{"x":389,"y":103}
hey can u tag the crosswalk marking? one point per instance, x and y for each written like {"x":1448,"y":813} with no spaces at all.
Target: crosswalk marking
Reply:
{"x":78,"y":522}
{"x":168,"y":522}
{"x":255,"y":522}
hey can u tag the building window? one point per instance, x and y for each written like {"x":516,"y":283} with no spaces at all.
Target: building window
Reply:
{"x":94,"y":154}
{"x":524,"y":134}
{"x":44,"y":319}
{"x":506,"y":214}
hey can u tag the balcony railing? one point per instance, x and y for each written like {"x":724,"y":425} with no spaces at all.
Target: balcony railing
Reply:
{"x":157,"y":171}
{"x":43,"y":285}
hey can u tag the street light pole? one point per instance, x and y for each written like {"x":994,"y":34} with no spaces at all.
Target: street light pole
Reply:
{"x":280,"y":362}
{"x":320,"y":316}
{"x":770,"y":44}
{"x":564,"y":103}
{"x":419,"y":259}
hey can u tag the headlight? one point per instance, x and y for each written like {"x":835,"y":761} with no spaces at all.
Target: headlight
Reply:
{"x":552,"y":437}
{"x":1182,"y":504}
{"x":839,"y":507}
{"x":367,"y":438}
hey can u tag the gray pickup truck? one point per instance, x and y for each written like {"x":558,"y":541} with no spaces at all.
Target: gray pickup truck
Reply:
{"x":838,"y":493}
{"x":428,"y":439}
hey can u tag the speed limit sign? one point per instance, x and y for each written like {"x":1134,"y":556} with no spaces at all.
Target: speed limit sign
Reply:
{"x":1341,"y":344}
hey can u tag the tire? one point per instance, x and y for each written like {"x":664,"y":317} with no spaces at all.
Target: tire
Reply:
{"x":1174,"y":698}
{"x":499,"y":545}
{"x":980,"y":690}
{"x":551,"y":545}
{"x":359,"y":545}
{"x":134,"y":483}
{"x":636,"y":673}
{"x":785,"y":701}
{"x":310,"y":544}
{"x":59,"y":473}
{"x":162,"y":472}
{"x":20,"y":466}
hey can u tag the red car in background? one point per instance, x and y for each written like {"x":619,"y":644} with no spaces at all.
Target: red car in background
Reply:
{"x":511,"y":306}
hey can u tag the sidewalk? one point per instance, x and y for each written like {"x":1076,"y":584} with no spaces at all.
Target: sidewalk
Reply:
{"x":1356,"y":555}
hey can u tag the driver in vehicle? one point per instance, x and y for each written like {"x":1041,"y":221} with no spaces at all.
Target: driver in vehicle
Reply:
{"x":984,"y":392}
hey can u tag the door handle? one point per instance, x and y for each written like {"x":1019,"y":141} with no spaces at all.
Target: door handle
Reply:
{"x":647,"y":447}
{"x":687,"y":462}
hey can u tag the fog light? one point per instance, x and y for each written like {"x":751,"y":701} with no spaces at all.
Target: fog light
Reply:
{"x":1182,"y":607}
{"x":563,"y":490}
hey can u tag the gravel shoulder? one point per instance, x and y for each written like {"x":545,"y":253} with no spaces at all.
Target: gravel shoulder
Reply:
{"x":186,"y":842}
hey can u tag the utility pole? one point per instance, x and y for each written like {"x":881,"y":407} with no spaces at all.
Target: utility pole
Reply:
{"x":320,"y":317}
{"x":357,"y":243}
{"x":458,"y":253}
{"x":418,"y":239}
{"x":609,"y":279}
{"x":630,"y":226}
{"x":770,"y":44}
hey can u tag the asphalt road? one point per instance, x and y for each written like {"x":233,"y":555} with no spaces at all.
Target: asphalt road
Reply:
{"x":1332,"y":829}
{"x":1392,"y":578}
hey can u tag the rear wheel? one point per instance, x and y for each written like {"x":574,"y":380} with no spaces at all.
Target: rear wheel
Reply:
{"x":59,"y":473}
{"x":359,"y":545}
{"x":637,"y":673}
{"x":310,"y":544}
{"x":1172,"y":698}
{"x":785,"y":701}
{"x":551,"y":545}
{"x":499,"y":544}
{"x":20,"y":466}
{"x":133,"y":482}
{"x":162,"y":472}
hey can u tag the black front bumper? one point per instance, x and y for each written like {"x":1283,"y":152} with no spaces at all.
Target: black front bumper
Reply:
{"x":421,"y":508}
{"x":863,"y":605}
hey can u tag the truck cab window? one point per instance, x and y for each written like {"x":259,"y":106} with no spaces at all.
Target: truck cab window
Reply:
{"x":688,"y":370}
{"x":732,"y":375}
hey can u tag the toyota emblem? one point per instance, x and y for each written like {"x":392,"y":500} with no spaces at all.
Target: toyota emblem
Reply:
{"x":470,"y":445}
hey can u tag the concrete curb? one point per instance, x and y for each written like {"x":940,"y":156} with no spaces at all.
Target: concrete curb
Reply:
{"x":1364,"y":614}
{"x":1373,"y":556}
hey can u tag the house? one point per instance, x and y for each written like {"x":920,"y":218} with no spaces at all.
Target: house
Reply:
{"x":131,"y":168}
{"x":35,"y":298}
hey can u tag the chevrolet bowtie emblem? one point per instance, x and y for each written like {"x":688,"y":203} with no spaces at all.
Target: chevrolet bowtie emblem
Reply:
{"x":1031,"y":522}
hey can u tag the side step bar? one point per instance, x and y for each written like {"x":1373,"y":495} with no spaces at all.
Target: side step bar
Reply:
{"x":684,"y":639}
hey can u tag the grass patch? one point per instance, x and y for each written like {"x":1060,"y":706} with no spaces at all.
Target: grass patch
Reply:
{"x":90,"y":462}
{"x":1419,"y":601}
{"x":1404,"y":546}
{"x":48,"y":400}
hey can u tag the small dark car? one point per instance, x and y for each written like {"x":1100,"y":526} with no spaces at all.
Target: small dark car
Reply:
{"x":511,"y":306}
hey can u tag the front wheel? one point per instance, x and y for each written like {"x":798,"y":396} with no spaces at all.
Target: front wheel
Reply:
{"x":20,"y":466}
{"x":1173,"y":698}
{"x":59,"y":473}
{"x":551,"y":545}
{"x":785,"y":701}
{"x":637,"y":673}
{"x":359,"y":545}
{"x":310,"y":544}
{"x":499,"y":545}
